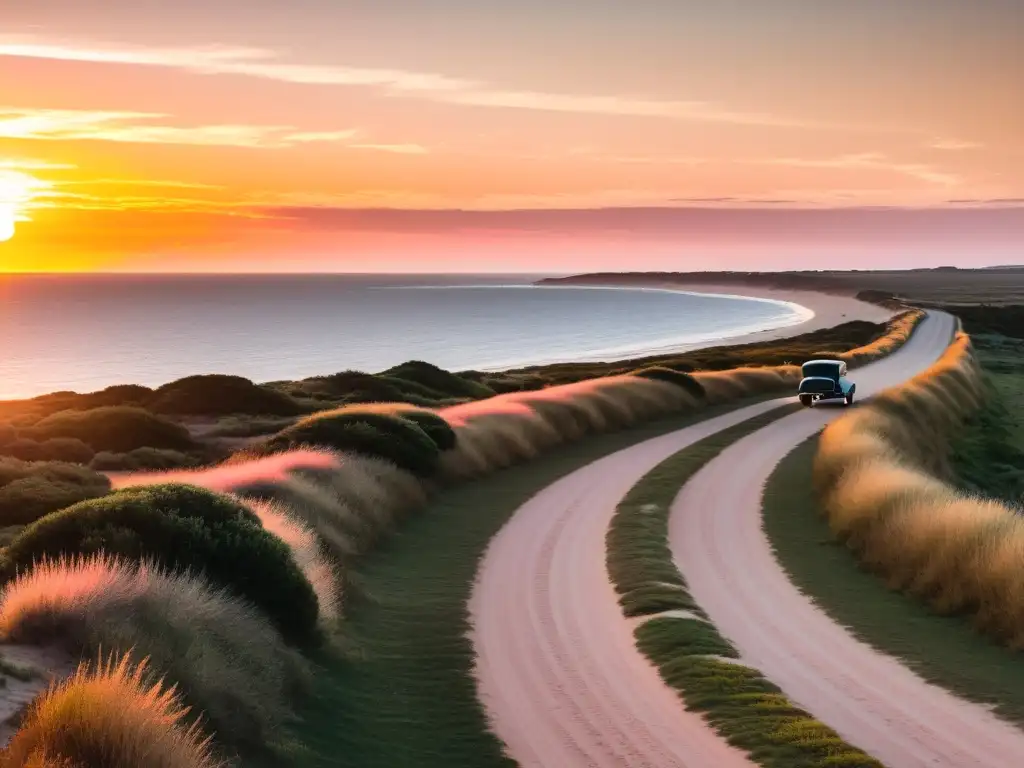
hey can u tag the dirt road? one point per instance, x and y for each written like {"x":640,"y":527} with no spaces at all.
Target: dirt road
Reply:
{"x":559,"y":674}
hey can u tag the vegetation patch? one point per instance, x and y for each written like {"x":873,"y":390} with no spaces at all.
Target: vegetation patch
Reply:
{"x":217,"y":395}
{"x":944,"y":650}
{"x":29,"y":490}
{"x":678,"y":377}
{"x":115,"y":428}
{"x":745,"y":708}
{"x":183,"y":528}
{"x":382,"y":436}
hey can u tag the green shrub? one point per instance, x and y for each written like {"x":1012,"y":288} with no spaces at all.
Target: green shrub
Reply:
{"x":184,"y":528}
{"x":30,"y":490}
{"x":142,"y":459}
{"x":439,"y":380}
{"x":683,"y":380}
{"x":217,"y":394}
{"x":69,"y":449}
{"x":379,"y":435}
{"x":115,"y":428}
{"x":435,"y":427}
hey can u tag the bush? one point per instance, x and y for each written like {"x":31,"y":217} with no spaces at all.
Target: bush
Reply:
{"x":30,"y":490}
{"x":182,"y":527}
{"x":69,"y":449}
{"x":439,"y":380}
{"x":221,"y":653}
{"x":142,"y":459}
{"x":110,"y":716}
{"x":371,"y":434}
{"x":115,"y":428}
{"x":680,"y":379}
{"x":435,"y":427}
{"x":217,"y":395}
{"x":8,"y":435}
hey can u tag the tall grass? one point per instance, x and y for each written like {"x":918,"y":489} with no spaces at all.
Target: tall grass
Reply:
{"x":881,"y":474}
{"x":222,"y":653}
{"x":113,"y":716}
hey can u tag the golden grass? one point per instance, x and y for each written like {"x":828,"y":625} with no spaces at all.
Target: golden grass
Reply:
{"x":879,"y":472}
{"x":897,"y":333}
{"x":222,"y":653}
{"x":306,"y":551}
{"x":110,"y":716}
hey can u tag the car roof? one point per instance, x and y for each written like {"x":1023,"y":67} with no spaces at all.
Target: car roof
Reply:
{"x":827,"y":362}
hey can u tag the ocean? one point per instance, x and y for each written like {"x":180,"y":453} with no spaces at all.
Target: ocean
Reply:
{"x":84,"y":333}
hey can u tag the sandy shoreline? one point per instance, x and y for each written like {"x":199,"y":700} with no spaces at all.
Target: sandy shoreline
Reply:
{"x":816,"y":311}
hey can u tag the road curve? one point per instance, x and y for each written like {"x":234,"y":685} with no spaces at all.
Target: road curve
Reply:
{"x":556,"y":665}
{"x":869,"y":698}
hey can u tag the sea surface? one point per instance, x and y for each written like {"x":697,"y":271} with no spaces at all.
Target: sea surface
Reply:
{"x":84,"y":333}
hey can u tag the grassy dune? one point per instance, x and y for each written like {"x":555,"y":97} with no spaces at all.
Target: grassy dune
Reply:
{"x":887,"y":488}
{"x":183,"y":577}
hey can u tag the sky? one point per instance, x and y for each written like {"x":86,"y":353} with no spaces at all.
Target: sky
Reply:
{"x":451,"y":136}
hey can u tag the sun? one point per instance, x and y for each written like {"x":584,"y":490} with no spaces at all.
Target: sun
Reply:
{"x":6,"y":223}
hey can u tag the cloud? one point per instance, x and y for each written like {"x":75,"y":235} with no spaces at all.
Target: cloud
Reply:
{"x":22,"y":164}
{"x":953,"y":145}
{"x":139,"y":183}
{"x":266,"y":64}
{"x":398,"y":149}
{"x":871,"y":161}
{"x":142,"y":128}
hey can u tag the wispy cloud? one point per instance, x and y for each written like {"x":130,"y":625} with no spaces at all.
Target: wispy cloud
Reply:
{"x":31,"y":164}
{"x":397,"y":149}
{"x":146,"y":128}
{"x":953,"y":145}
{"x":872,"y":161}
{"x":161,"y":183}
{"x":267,"y":64}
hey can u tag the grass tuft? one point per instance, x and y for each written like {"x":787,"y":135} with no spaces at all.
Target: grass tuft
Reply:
{"x":113,"y":716}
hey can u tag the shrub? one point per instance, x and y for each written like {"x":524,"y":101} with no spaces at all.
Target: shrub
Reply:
{"x":142,"y":459}
{"x":370,"y":434}
{"x":30,"y":490}
{"x":431,"y":422}
{"x":111,"y":716}
{"x":8,"y":435}
{"x":182,"y":527}
{"x":69,"y":449}
{"x":225,"y":658}
{"x":217,"y":394}
{"x":439,"y":380}
{"x":115,"y":428}
{"x":679,"y":378}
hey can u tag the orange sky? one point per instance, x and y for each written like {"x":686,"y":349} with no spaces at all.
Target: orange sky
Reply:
{"x":229,"y":135}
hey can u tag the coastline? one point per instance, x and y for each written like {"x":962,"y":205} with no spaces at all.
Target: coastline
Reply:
{"x":815,"y":310}
{"x":808,"y":310}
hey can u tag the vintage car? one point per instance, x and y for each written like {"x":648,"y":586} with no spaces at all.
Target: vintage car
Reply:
{"x":825,"y":380}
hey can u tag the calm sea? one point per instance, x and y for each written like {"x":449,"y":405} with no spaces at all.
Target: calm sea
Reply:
{"x":88,"y":332}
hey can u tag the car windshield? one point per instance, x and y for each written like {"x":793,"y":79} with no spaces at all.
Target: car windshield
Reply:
{"x":825,"y":370}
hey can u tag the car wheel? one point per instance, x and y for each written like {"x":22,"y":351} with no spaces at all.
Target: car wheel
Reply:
{"x":806,"y":400}
{"x":849,"y":399}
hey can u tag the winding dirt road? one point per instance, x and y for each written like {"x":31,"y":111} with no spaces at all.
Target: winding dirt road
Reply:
{"x":557,"y":668}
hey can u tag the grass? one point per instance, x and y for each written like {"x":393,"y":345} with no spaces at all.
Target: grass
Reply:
{"x":222,"y":653}
{"x":745,"y":708}
{"x":405,"y":696}
{"x":110,"y":715}
{"x":944,"y":650}
{"x":883,"y":476}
